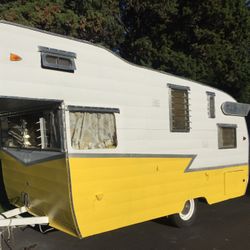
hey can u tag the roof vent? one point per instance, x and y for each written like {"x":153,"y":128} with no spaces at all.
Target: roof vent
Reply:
{"x":57,"y":59}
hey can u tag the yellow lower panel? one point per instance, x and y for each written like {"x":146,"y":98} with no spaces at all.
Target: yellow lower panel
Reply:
{"x":48,"y":188}
{"x":234,"y":182}
{"x":110,"y":193}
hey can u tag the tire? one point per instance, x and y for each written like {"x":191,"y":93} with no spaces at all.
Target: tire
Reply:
{"x":187,"y":216}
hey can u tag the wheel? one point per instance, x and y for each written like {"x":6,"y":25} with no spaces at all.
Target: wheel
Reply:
{"x":187,"y":216}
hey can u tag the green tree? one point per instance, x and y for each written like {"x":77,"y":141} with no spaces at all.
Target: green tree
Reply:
{"x":99,"y":21}
{"x":46,"y":15}
{"x":145,"y":23}
{"x":93,"y":20}
{"x":216,"y":34}
{"x":206,"y":41}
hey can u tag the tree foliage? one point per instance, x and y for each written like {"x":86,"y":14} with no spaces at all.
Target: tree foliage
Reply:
{"x":94,"y":20}
{"x":207,"y":41}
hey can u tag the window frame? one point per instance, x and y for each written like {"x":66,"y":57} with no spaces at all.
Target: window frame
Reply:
{"x":61,"y":138}
{"x":235,"y":109}
{"x":88,"y":109}
{"x":220,"y":140}
{"x":173,"y":87}
{"x":58,"y":54}
{"x":211,"y":113}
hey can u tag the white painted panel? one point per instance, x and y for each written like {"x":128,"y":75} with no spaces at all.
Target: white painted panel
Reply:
{"x":104,"y":80}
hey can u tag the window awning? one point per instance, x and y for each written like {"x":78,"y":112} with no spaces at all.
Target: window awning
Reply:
{"x":11,"y":105}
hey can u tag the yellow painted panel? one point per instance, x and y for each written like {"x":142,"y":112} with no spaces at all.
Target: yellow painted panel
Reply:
{"x":235,"y":182}
{"x":47,"y":185}
{"x":109,"y":193}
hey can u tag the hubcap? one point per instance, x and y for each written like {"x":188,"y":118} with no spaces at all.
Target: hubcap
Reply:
{"x":188,"y":210}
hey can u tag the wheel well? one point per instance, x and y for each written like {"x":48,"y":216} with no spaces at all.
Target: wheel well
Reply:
{"x":202,"y":200}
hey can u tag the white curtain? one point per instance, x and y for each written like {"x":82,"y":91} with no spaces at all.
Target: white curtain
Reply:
{"x":92,"y":130}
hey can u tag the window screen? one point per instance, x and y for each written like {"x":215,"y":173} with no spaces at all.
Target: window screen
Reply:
{"x":227,"y":136}
{"x":211,"y":104}
{"x":92,"y":130}
{"x":57,"y":59}
{"x":179,"y":109}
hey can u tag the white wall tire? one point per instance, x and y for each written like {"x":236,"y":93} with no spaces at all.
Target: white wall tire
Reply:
{"x":187,"y":216}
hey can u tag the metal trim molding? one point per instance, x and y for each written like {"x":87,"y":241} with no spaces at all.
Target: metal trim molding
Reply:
{"x":92,"y":109}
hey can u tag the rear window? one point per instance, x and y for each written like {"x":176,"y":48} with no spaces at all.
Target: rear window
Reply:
{"x":227,"y":136}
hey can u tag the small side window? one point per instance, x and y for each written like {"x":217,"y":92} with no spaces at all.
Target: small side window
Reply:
{"x":93,"y":130}
{"x":211,"y":104}
{"x":227,"y":136}
{"x":57,"y":59}
{"x":179,"y":108}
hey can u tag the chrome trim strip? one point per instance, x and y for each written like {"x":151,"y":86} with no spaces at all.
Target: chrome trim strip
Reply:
{"x":226,"y":125}
{"x":67,"y":164}
{"x":217,"y":167}
{"x":210,"y":93}
{"x":94,"y":155}
{"x":28,"y":161}
{"x":92,"y":109}
{"x":57,"y":52}
{"x":179,"y":87}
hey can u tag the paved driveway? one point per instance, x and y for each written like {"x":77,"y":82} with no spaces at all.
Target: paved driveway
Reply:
{"x":223,"y":226}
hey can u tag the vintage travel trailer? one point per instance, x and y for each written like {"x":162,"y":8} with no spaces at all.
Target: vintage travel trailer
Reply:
{"x":96,"y":143}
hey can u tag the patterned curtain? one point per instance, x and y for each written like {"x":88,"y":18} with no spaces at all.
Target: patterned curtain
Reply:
{"x":92,"y":130}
